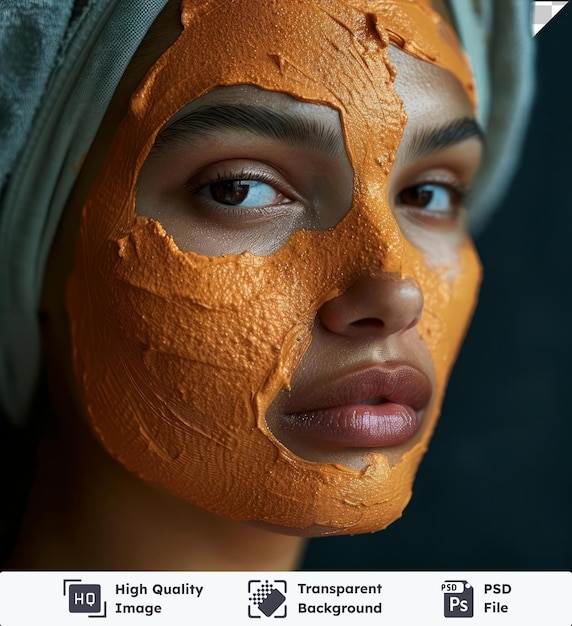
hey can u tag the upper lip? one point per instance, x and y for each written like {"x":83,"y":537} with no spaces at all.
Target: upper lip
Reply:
{"x":399,"y":383}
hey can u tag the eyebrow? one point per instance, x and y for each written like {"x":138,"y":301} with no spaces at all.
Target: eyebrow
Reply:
{"x":428,"y":140}
{"x":208,"y":120}
{"x":295,"y":130}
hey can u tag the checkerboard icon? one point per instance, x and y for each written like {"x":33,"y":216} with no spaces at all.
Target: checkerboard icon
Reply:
{"x":544,"y":12}
{"x":267,"y":597}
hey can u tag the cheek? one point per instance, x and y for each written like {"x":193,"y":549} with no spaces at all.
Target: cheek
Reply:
{"x":176,"y":355}
{"x":450,"y":294}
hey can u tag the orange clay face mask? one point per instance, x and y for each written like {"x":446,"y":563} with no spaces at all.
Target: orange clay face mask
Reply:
{"x":178,"y":356}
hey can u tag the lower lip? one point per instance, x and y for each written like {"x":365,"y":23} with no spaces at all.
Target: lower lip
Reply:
{"x":357,"y":426}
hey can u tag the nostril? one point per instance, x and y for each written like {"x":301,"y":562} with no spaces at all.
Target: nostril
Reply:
{"x":368,"y":322}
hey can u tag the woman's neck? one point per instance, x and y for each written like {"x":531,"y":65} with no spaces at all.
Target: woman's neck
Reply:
{"x":87,"y":512}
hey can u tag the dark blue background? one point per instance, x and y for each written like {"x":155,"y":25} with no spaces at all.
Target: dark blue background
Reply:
{"x":495,"y":489}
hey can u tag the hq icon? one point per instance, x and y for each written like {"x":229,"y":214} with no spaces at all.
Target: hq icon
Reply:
{"x":84,"y":598}
{"x":458,"y":598}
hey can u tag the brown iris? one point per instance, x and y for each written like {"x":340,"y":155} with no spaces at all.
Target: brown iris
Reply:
{"x":230,"y":191}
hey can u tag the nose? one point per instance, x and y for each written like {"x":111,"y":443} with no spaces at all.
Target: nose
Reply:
{"x":384,"y":305}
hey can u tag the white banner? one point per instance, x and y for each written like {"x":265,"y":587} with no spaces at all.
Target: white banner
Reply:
{"x":316,"y":598}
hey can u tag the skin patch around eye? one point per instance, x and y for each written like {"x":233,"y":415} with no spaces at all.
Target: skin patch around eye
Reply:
{"x":286,"y":154}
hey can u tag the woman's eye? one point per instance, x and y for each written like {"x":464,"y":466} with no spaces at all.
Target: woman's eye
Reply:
{"x":242,"y":193}
{"x":439,"y":198}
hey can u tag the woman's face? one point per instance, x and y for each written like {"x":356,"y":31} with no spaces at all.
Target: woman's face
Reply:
{"x":273,"y":277}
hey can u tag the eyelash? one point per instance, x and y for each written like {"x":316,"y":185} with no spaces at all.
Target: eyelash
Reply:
{"x":457,"y":196}
{"x":226,"y":176}
{"x":237,"y":176}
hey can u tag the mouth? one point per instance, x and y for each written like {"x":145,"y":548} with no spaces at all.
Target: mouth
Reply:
{"x":371,"y":408}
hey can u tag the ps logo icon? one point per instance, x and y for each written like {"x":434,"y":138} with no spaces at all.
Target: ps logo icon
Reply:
{"x":458,"y":597}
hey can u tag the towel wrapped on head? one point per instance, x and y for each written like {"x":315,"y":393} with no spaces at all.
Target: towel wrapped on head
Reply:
{"x":58,"y":97}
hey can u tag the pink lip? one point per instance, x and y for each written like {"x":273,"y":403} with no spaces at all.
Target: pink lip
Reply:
{"x":341,"y":412}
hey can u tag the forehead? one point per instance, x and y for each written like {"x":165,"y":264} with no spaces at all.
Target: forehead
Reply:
{"x":324,"y":52}
{"x":425,"y":90}
{"x":300,"y":48}
{"x":301,"y":36}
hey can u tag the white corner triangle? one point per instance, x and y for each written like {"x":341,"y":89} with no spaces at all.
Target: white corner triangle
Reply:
{"x":543,"y":13}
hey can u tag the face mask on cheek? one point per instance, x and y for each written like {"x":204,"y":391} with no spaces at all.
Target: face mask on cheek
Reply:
{"x":179,"y":356}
